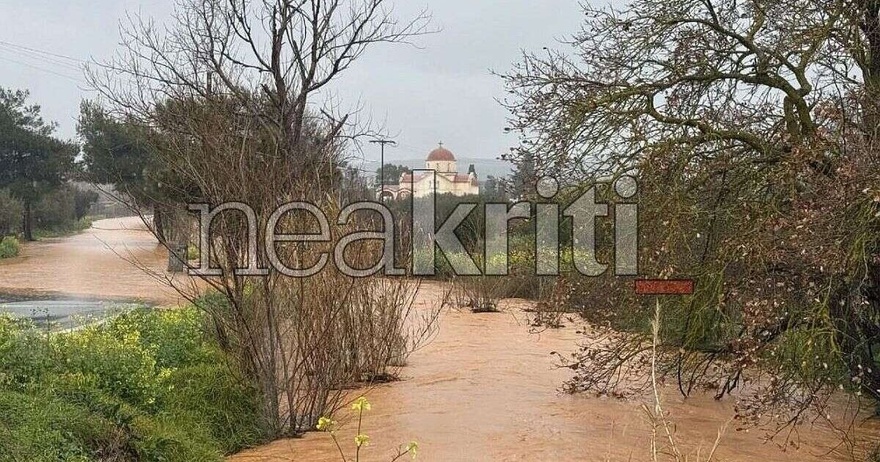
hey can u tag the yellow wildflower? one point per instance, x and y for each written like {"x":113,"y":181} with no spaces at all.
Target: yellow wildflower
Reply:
{"x":325,"y":424}
{"x":413,"y":449}
{"x":361,"y":440}
{"x":361,"y":404}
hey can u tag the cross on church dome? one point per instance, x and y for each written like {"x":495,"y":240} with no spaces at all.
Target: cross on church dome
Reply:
{"x":441,"y":154}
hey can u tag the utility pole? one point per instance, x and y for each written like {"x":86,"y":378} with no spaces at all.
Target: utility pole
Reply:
{"x":382,"y":142}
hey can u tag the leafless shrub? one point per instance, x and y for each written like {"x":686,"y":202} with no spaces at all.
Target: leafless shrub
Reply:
{"x":481,"y":293}
{"x":553,"y":304}
{"x":610,"y":363}
{"x":227,"y":98}
{"x":662,"y":427}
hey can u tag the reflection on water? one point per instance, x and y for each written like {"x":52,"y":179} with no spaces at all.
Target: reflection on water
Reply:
{"x":59,"y":314}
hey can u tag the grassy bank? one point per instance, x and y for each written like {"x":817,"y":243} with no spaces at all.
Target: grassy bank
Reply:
{"x":65,"y":229}
{"x":9,"y":247}
{"x":145,"y":386}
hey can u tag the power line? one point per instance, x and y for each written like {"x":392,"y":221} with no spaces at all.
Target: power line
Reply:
{"x":49,"y":53}
{"x":41,"y":58}
{"x":45,"y":57}
{"x":5,"y":58}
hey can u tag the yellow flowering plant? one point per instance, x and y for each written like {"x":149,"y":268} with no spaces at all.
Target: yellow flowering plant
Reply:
{"x":326,"y":424}
{"x":361,"y":404}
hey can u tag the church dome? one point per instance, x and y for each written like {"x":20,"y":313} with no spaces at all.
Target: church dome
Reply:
{"x":441,"y":154}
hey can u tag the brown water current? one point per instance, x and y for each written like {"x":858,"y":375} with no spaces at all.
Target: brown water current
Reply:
{"x":483,"y":389}
{"x":486,"y":389}
{"x":108,"y":260}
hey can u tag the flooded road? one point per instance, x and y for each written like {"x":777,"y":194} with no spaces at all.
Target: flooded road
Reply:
{"x":484,"y":389}
{"x":101,"y":262}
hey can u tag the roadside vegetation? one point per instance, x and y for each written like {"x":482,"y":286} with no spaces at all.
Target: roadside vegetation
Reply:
{"x":59,"y":213}
{"x":248,"y":127}
{"x":37,"y":195}
{"x":9,"y":247}
{"x":753,"y":130}
{"x":145,"y":385}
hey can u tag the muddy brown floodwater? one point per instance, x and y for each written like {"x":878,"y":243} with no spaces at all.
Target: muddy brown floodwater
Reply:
{"x":102,"y":261}
{"x":484,"y":388}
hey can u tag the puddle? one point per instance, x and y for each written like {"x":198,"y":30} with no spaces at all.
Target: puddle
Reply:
{"x":59,"y":314}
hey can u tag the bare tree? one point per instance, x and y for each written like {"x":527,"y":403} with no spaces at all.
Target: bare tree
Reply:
{"x":231,"y":96}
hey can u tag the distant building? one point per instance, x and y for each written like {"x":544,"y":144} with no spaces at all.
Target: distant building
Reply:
{"x":446,"y":179}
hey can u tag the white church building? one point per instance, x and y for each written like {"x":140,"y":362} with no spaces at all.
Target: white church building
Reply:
{"x":445,"y":180}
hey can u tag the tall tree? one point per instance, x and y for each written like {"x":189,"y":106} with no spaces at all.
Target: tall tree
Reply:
{"x":122,"y":153}
{"x":494,"y":190}
{"x":524,"y":176}
{"x":752,"y":126}
{"x":115,"y":152}
{"x":32,"y":161}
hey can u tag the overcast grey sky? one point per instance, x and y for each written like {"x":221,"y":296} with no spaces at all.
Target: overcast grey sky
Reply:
{"x":443,"y":90}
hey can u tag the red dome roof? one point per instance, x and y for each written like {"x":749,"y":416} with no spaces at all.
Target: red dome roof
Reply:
{"x":441,"y":154}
